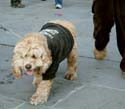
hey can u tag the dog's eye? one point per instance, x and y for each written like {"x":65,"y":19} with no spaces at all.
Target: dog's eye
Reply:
{"x":26,"y":55}
{"x":33,"y":56}
{"x":41,"y":56}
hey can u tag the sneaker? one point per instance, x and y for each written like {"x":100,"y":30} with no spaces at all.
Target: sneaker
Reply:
{"x":99,"y":55}
{"x":19,"y":5}
{"x":58,"y":6}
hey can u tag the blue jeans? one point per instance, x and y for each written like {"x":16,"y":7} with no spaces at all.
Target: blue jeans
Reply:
{"x":58,"y":2}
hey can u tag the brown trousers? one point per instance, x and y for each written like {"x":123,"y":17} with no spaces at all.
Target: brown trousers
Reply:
{"x":106,"y":13}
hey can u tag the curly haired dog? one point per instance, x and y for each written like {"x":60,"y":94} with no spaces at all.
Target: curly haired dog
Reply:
{"x":40,"y":53}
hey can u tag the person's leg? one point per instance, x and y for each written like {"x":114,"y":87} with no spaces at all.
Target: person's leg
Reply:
{"x":13,"y":2}
{"x":120,"y":30}
{"x":58,"y":4}
{"x":58,"y":1}
{"x":103,"y":21}
{"x":17,"y":4}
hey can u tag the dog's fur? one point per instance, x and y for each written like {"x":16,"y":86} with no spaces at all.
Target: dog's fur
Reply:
{"x":33,"y":49}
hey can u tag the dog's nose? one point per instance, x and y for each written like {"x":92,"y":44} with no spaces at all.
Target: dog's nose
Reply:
{"x":28,"y":66}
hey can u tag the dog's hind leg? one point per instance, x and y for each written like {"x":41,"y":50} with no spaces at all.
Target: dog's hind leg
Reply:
{"x":71,"y":73}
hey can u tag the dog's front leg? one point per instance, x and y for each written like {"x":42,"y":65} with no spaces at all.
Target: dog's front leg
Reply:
{"x":42,"y":93}
{"x":37,"y":79}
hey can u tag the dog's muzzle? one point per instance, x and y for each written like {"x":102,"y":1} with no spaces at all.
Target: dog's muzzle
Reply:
{"x":29,"y":70}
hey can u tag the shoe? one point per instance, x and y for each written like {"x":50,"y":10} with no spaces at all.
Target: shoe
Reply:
{"x":100,"y":55}
{"x":58,"y":6}
{"x":18,"y":5}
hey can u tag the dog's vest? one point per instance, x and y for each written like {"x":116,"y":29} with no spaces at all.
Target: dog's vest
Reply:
{"x":60,"y":42}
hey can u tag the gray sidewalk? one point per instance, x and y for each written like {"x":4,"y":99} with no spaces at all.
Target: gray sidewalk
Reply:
{"x":99,"y":84}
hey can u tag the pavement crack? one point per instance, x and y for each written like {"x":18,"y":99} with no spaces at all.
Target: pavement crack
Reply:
{"x":3,"y":28}
{"x":67,"y":96}
{"x":95,"y":59}
{"x":19,"y":106}
{"x":7,"y":45}
{"x":108,"y":87}
{"x":9,"y":31}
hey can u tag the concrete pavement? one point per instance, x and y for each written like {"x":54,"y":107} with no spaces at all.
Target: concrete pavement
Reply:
{"x":99,"y":84}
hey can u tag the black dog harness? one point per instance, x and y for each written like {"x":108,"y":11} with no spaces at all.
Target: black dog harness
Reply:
{"x":60,"y":42}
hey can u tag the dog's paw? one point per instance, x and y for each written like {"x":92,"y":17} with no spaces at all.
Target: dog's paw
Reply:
{"x":38,"y":99}
{"x":71,"y":76}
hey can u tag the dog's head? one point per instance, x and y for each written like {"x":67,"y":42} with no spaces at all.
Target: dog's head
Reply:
{"x":32,"y":55}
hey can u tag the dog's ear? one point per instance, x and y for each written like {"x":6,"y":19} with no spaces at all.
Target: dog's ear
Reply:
{"x":17,"y":72}
{"x":16,"y":66}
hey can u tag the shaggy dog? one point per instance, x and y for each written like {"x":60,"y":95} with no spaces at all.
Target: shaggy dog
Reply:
{"x":39,"y":54}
